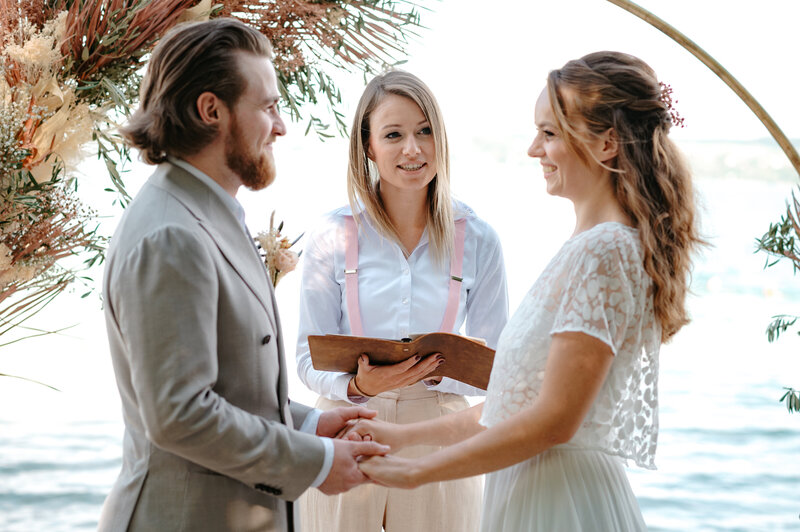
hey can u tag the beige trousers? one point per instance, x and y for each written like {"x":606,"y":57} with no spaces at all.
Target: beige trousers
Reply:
{"x":452,"y":506}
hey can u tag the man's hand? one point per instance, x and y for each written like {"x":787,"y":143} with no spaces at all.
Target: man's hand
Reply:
{"x":344,"y":473}
{"x":332,"y":422}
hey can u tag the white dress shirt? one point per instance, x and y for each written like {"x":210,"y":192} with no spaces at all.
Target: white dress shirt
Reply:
{"x":398,"y":296}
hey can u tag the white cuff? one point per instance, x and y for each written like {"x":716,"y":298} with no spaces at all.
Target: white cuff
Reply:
{"x":311,"y":421}
{"x":309,"y":426}
{"x":327,"y":464}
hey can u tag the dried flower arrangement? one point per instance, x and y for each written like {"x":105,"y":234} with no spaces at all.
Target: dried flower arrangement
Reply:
{"x":276,"y":251}
{"x":71,"y":70}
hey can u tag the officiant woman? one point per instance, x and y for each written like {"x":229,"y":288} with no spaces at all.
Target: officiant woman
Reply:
{"x":402,"y":258}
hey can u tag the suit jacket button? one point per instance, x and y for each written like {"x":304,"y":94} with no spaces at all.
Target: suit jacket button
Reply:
{"x":266,"y":339}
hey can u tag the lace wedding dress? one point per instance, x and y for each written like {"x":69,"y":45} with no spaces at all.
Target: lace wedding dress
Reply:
{"x":596,"y":284}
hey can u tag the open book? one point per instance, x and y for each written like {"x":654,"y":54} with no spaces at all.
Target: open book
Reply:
{"x":465,"y":359}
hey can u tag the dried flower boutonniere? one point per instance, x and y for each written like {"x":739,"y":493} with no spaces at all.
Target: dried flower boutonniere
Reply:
{"x":275,"y":249}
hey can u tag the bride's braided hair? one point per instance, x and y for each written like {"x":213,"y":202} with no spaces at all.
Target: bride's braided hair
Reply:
{"x":651,"y":179}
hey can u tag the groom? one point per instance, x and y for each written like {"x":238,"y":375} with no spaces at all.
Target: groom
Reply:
{"x":211,"y":440}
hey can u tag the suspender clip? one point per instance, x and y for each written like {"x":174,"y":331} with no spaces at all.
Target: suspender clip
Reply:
{"x":459,"y":279}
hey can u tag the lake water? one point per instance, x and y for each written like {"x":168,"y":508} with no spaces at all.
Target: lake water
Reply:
{"x":728,"y":451}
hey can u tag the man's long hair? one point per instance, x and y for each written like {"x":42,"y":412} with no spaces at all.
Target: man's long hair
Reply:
{"x":191,"y":59}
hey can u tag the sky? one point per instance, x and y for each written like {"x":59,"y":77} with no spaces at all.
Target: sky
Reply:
{"x":486,"y":62}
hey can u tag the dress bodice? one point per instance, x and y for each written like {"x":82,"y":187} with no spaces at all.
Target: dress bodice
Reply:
{"x":596,"y":284}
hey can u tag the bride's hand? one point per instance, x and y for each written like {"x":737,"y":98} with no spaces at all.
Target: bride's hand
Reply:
{"x":391,"y":471}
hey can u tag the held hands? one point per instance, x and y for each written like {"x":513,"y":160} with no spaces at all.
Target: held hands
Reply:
{"x":344,"y":472}
{"x":372,"y":380}
{"x":387,"y":470}
{"x":333,"y":422}
{"x":384,"y":432}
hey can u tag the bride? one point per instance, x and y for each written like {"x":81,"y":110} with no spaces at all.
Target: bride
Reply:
{"x":573,"y":391}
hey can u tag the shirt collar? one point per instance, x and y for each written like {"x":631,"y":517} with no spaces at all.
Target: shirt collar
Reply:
{"x":460,"y":210}
{"x":227,"y":200}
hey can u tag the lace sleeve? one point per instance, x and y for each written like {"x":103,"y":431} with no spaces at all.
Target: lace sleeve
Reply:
{"x":597,"y":295}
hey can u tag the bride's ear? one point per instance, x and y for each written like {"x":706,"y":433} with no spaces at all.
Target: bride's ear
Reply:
{"x":610,"y":145}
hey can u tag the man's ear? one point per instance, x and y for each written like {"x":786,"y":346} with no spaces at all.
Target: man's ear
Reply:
{"x":610,"y":145}
{"x":210,"y":108}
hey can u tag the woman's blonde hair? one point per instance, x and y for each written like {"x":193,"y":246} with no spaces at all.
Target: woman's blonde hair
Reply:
{"x":363,"y":181}
{"x":651,"y":179}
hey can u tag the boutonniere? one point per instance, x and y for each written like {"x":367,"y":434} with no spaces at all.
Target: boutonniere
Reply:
{"x":276,"y":251}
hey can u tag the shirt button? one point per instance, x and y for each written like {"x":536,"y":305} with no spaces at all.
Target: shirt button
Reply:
{"x":405,"y":301}
{"x":405,"y":271}
{"x":266,"y":339}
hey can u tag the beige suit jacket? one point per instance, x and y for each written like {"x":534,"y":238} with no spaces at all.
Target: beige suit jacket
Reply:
{"x":210,"y":440}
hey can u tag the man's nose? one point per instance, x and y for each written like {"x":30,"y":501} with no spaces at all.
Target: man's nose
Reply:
{"x":278,"y":126}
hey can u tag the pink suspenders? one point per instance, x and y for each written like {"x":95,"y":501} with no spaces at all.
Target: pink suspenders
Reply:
{"x":456,"y":261}
{"x":351,"y":277}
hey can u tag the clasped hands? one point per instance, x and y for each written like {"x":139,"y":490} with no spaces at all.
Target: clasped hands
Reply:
{"x":361,"y":442}
{"x":383,"y":469}
{"x":356,"y":435}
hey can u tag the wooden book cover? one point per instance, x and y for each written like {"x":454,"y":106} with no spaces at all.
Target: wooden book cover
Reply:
{"x":465,"y":359}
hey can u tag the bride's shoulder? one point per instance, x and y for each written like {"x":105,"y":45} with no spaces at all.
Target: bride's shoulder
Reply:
{"x":609,"y":246}
{"x":607,"y":238}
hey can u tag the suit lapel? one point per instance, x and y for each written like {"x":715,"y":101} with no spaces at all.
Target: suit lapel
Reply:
{"x":283,"y":384}
{"x":221,"y":225}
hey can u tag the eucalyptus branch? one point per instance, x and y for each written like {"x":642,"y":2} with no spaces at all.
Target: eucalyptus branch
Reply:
{"x":782,"y":239}
{"x":780,"y":324}
{"x":792,"y":399}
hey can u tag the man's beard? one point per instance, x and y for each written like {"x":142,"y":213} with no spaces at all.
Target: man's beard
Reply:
{"x":256,"y":171}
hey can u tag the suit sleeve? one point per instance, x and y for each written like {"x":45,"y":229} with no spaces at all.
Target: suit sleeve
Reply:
{"x":164,"y":299}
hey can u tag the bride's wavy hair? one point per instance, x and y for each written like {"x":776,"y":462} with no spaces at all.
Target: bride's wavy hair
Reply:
{"x":651,"y":179}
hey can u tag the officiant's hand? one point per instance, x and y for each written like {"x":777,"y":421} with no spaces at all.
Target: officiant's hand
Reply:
{"x":344,"y":473}
{"x":333,"y":422}
{"x":372,"y":380}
